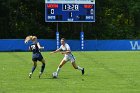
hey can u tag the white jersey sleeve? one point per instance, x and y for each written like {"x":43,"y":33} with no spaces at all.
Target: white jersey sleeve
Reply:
{"x":67,"y":47}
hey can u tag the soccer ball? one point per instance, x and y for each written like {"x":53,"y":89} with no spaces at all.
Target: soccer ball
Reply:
{"x":54,"y":74}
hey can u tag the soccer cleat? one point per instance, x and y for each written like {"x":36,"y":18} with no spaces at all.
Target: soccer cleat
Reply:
{"x":30,"y":75}
{"x":83,"y":71}
{"x":40,"y":73}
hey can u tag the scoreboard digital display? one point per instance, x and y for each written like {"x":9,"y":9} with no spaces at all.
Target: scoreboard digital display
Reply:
{"x":69,"y":10}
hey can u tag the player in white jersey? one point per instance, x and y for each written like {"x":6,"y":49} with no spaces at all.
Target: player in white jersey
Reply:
{"x":65,"y":48}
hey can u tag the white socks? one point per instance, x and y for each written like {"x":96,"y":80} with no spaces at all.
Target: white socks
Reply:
{"x":58,"y":70}
{"x":79,"y":68}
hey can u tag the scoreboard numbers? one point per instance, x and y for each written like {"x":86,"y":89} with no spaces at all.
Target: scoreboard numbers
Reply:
{"x":70,"y":7}
{"x":52,"y":11}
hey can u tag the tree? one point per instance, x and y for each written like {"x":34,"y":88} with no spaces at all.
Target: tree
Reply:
{"x":114,"y":20}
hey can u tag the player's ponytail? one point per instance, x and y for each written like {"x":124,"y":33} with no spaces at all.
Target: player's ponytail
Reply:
{"x":27,"y":39}
{"x":34,"y":38}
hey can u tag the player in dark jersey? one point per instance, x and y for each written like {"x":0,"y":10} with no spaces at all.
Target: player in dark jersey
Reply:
{"x":36,"y":56}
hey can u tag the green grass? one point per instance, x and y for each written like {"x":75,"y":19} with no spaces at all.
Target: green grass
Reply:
{"x":105,"y":72}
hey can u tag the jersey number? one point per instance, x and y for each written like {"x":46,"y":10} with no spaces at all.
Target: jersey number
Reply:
{"x":32,"y":47}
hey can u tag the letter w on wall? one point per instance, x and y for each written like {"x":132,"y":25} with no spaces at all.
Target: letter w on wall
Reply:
{"x":135,"y":45}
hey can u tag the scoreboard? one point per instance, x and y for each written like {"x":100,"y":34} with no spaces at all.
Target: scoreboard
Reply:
{"x":69,"y":10}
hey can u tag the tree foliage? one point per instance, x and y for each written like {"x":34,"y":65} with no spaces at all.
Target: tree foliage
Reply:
{"x":115,"y":19}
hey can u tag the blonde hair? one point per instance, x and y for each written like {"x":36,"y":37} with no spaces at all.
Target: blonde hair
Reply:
{"x":28,"y":38}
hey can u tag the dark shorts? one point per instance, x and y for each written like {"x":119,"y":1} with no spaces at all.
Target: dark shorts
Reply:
{"x":37,"y":57}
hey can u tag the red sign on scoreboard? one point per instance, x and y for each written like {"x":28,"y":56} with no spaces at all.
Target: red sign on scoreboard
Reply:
{"x":52,"y":5}
{"x":88,"y":6}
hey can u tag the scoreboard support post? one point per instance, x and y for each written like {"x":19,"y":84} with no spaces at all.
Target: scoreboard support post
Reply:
{"x":82,"y":37}
{"x":57,"y":36}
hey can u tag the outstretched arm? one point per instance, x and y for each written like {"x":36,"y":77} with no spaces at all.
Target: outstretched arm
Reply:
{"x":39,"y":46}
{"x":56,"y":51}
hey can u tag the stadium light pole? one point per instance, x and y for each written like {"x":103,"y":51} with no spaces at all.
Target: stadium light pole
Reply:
{"x":57,"y":36}
{"x":82,"y":37}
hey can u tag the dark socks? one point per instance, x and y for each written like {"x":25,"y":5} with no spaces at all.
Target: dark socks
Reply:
{"x":42,"y":67}
{"x":33,"y":68}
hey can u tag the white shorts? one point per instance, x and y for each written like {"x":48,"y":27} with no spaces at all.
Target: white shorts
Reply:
{"x":69,"y":58}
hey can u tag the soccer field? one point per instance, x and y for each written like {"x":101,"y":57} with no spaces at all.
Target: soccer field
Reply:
{"x":105,"y":72}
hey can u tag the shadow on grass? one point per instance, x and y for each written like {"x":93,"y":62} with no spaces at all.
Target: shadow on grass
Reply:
{"x":54,"y":78}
